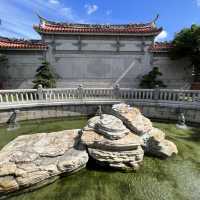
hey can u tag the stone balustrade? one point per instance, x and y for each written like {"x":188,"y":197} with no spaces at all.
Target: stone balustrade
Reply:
{"x":41,"y":95}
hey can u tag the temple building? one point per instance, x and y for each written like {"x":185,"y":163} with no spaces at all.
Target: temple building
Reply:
{"x":94,"y":55}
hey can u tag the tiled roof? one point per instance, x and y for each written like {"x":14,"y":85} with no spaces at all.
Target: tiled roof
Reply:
{"x":6,"y":43}
{"x":160,"y":47}
{"x":46,"y":26}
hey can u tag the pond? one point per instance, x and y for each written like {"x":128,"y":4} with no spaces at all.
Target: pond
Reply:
{"x":177,"y":178}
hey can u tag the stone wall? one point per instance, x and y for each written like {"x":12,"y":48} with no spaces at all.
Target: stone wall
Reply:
{"x":151,"y":110}
{"x":21,"y":68}
{"x":98,"y":61}
{"x":176,"y":73}
{"x":167,"y":112}
{"x":95,"y":61}
{"x":43,"y":112}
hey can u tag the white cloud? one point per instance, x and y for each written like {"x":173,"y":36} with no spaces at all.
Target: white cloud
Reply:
{"x":54,"y":2}
{"x":19,"y":22}
{"x":91,"y":8}
{"x":198,"y":3}
{"x":108,"y":12}
{"x":162,"y":36}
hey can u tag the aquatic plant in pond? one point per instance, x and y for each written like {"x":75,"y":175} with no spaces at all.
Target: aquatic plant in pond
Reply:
{"x":176,"y":178}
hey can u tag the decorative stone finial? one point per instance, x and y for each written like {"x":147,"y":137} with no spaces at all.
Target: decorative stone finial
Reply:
{"x":181,"y":120}
{"x":116,"y":86}
{"x":80,"y":86}
{"x":40,"y":86}
{"x":12,"y":122}
{"x":99,"y":112}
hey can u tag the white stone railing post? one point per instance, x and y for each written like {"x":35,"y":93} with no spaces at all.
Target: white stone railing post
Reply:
{"x":116,"y":92}
{"x":40,"y":92}
{"x":80,"y":92}
{"x":156,"y":93}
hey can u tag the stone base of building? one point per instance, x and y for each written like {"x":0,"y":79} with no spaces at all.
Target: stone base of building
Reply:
{"x":195,"y":86}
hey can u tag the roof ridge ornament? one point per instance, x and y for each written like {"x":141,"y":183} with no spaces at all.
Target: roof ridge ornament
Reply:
{"x":43,"y":21}
{"x":153,"y":23}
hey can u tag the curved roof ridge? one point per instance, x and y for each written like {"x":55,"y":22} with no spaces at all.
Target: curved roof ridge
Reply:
{"x":14,"y":43}
{"x":46,"y":26}
{"x":160,"y":47}
{"x":48,"y":22}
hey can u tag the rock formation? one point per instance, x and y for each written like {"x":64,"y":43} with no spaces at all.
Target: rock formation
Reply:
{"x":111,"y":144}
{"x":132,"y":118}
{"x":31,"y":159}
{"x":119,"y":141}
{"x":154,"y":139}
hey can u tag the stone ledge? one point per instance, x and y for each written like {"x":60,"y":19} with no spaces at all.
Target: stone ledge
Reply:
{"x":47,"y":104}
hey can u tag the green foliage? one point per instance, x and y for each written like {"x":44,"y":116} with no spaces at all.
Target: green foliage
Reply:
{"x":44,"y":76}
{"x":187,"y":44}
{"x":150,"y":80}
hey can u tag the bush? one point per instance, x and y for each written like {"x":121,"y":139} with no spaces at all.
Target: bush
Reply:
{"x":150,"y":80}
{"x":44,"y":76}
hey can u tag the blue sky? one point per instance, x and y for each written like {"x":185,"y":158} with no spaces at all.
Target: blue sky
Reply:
{"x":18,"y":16}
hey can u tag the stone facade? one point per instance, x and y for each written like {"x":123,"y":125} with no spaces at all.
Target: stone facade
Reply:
{"x":95,"y":59}
{"x":176,"y":73}
{"x":21,"y":68}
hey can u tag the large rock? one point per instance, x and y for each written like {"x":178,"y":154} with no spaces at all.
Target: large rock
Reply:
{"x":154,"y":142}
{"x":158,"y":146}
{"x":110,"y":144}
{"x":162,"y":149}
{"x":31,"y":159}
{"x":121,"y":160}
{"x":132,"y":118}
{"x":109,"y":126}
{"x":93,"y":139}
{"x":157,"y":135}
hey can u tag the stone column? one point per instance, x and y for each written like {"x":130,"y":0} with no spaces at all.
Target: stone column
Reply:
{"x":116,"y":90}
{"x":156,"y":93}
{"x":40,"y":92}
{"x":80,"y":91}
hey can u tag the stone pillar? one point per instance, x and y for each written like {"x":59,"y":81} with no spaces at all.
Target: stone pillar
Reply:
{"x":40,"y":92}
{"x":116,"y":90}
{"x":156,"y":93}
{"x":80,"y":91}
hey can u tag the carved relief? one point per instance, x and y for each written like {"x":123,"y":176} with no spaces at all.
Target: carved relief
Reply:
{"x":118,"y":44}
{"x":79,"y":44}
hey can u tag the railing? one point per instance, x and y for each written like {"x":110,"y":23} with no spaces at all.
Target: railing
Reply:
{"x":40,"y":95}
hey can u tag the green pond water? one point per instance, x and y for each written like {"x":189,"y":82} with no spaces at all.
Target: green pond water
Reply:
{"x":177,"y":178}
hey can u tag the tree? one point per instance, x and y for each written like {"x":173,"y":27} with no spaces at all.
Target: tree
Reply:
{"x":186,"y":44}
{"x":150,"y":80}
{"x":44,"y":76}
